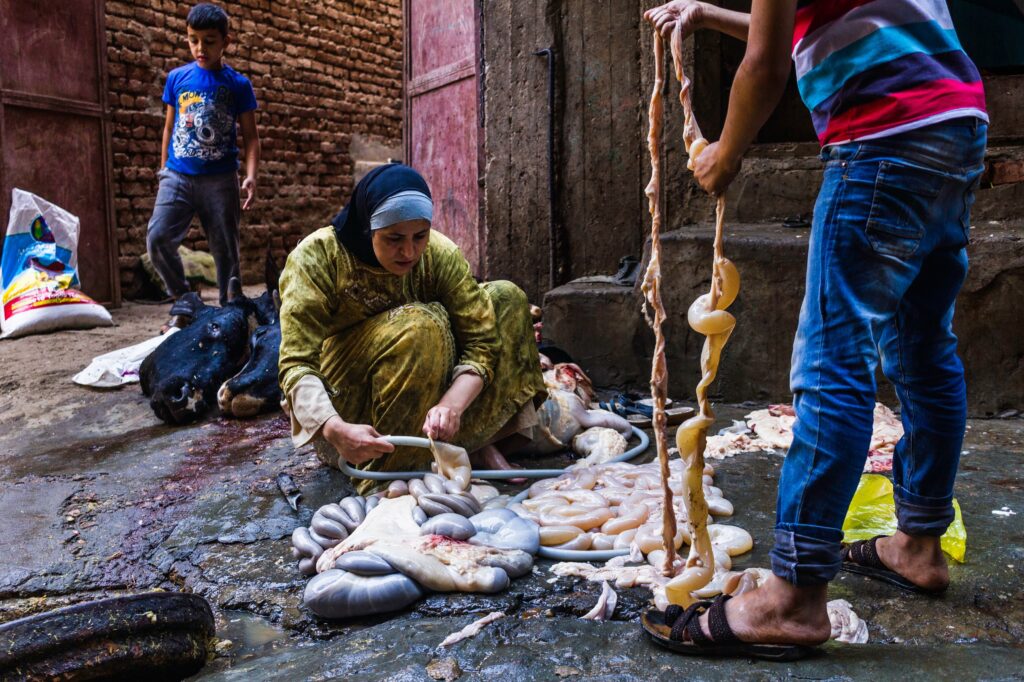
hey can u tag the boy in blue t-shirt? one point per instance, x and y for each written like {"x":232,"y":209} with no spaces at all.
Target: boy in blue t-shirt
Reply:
{"x":199,"y":159}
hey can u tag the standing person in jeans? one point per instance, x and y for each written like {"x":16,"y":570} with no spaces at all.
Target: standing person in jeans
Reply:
{"x":899,"y":110}
{"x":199,"y":159}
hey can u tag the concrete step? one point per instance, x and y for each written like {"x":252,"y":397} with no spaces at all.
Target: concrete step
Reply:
{"x":782,"y":180}
{"x":601,"y":325}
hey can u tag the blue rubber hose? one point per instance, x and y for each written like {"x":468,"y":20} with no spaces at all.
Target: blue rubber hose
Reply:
{"x":580,"y":554}
{"x":485,"y":474}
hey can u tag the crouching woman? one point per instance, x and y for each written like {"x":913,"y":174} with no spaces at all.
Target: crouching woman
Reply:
{"x":385,"y":331}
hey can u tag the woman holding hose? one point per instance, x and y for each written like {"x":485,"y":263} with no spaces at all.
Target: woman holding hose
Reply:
{"x":384,"y":330}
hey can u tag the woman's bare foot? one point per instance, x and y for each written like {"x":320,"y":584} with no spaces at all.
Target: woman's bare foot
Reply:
{"x":778,"y":612}
{"x":917,"y":558}
{"x":490,"y":457}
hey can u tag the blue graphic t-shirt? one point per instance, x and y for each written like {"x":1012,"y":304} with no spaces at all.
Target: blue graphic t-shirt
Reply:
{"x":206,"y":106}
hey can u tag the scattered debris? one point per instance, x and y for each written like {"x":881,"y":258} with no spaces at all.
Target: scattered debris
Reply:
{"x":1004,"y":512}
{"x":446,"y":669}
{"x":567,"y":671}
{"x":605,"y":606}
{"x":847,"y":626}
{"x":222,"y":647}
{"x":727,"y":444}
{"x":771,"y":430}
{"x":472,"y":629}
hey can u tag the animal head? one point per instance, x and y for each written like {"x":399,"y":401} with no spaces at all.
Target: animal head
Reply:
{"x":182,"y":375}
{"x":254,"y":389}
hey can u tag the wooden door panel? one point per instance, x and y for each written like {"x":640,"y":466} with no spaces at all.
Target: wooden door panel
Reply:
{"x":442,"y":137}
{"x":446,"y":156}
{"x":443,"y":34}
{"x":49,"y":48}
{"x":60,"y":158}
{"x":54,"y":124}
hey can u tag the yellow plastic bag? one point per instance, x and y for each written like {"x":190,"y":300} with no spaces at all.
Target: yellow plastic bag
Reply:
{"x":873,"y":512}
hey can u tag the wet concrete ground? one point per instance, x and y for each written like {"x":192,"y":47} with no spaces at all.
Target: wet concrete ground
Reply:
{"x":99,"y":498}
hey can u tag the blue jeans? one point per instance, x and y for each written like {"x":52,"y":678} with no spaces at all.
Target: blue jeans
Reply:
{"x":886,"y":259}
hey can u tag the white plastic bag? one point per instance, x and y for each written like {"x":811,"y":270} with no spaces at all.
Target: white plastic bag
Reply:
{"x":39,"y":270}
{"x":121,"y":366}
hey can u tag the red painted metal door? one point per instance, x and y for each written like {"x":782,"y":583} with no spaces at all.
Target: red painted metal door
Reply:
{"x":54,"y":134}
{"x":442,"y":127}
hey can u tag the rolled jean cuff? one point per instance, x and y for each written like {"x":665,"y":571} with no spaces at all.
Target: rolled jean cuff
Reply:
{"x":802,"y":560}
{"x":920,"y":515}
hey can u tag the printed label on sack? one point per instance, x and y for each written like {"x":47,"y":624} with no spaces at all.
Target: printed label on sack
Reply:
{"x":40,"y":293}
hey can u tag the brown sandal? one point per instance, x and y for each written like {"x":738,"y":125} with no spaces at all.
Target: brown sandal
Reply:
{"x":669,"y":627}
{"x":861,"y":557}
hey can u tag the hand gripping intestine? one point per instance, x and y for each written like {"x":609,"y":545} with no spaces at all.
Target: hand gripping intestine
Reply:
{"x":708,"y":316}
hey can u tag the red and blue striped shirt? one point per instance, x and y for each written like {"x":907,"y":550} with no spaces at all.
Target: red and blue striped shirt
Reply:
{"x":874,"y":68}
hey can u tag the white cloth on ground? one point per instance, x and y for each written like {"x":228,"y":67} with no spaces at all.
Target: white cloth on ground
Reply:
{"x":121,"y":366}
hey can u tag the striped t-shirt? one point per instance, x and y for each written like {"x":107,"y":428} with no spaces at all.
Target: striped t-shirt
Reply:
{"x":873,"y":68}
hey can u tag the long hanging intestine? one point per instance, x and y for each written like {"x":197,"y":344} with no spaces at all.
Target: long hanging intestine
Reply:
{"x":707,"y":315}
{"x":652,"y":292}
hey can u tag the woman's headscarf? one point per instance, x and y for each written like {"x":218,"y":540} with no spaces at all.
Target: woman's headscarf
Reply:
{"x":353,"y":225}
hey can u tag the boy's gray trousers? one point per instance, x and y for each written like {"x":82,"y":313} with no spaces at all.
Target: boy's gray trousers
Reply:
{"x":180,"y":197}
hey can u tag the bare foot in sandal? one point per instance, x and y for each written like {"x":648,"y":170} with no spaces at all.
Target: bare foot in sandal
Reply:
{"x":778,"y":612}
{"x":777,"y":621}
{"x":919,"y":559}
{"x":912,"y":563}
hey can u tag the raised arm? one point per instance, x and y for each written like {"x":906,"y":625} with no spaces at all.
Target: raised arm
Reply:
{"x":692,"y":15}
{"x":759,"y":83}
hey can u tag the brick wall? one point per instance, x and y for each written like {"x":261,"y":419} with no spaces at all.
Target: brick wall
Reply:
{"x":325,"y":72}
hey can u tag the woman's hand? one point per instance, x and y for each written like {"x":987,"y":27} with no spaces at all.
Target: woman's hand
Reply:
{"x":689,"y":14}
{"x":356,"y":443}
{"x":442,"y":423}
{"x":443,"y":420}
{"x":715,"y":169}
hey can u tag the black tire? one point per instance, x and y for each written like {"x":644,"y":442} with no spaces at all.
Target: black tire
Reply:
{"x":151,"y":636}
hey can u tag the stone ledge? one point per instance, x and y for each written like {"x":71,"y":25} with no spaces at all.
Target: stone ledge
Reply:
{"x":600,"y":324}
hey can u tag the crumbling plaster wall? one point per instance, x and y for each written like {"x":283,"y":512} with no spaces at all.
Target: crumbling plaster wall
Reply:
{"x":327,"y":76}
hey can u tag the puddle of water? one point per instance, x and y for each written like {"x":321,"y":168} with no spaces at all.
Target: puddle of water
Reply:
{"x":249,"y":634}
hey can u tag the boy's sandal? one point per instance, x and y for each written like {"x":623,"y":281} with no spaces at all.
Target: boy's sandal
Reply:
{"x":187,"y":305}
{"x":625,"y":408}
{"x":183,"y":311}
{"x":861,"y":557}
{"x":668,"y":628}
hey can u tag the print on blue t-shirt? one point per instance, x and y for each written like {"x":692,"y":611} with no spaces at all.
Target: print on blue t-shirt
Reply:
{"x":206,"y":107}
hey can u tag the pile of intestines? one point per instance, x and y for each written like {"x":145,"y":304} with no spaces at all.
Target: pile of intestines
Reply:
{"x":619,"y":506}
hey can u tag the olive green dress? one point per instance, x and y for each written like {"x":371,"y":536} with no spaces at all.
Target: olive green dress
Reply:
{"x":386,"y":347}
